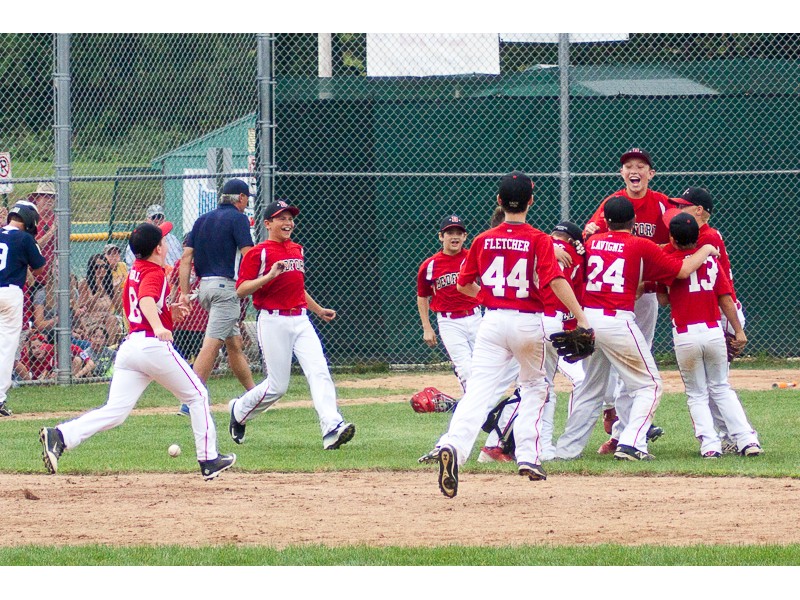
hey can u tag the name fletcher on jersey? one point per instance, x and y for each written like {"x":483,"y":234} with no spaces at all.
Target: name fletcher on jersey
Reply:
{"x":491,"y":243}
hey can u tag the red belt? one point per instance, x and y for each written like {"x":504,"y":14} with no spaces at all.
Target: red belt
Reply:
{"x":685,"y":328}
{"x":516,"y":310}
{"x":287,"y":312}
{"x":459,"y":314}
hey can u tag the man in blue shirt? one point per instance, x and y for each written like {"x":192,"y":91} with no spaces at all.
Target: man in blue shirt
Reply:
{"x":215,"y":242}
{"x":18,"y":252}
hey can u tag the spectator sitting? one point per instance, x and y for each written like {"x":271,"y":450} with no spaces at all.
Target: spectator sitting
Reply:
{"x":99,"y":354}
{"x":37,"y":360}
{"x":119,"y":270}
{"x":156,"y":215}
{"x":45,"y":315}
{"x":98,"y":295}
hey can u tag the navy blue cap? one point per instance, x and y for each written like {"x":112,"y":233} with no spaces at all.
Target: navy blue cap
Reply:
{"x":684,"y":229}
{"x":636,"y":153}
{"x":516,"y":189}
{"x":450,"y":222}
{"x":618,"y":209}
{"x":236,"y":187}
{"x":570,"y":229}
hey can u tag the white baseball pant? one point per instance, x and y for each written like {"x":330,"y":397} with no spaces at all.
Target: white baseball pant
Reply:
{"x":139,"y":361}
{"x":458,"y":337}
{"x":503,"y":335}
{"x":703,"y":363}
{"x":719,"y":421}
{"x":552,"y":363}
{"x":280,"y":337}
{"x":618,"y":344}
{"x":11,"y":300}
{"x":645,"y":310}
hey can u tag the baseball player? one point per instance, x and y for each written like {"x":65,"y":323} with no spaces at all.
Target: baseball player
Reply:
{"x":700,"y":343}
{"x":457,"y":315}
{"x":18,"y":253}
{"x":616,"y":261}
{"x":568,"y":237}
{"x":274,"y":273}
{"x":508,"y":266}
{"x":636,"y":168}
{"x":145,"y":355}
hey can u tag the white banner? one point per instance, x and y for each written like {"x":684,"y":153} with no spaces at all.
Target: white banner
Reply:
{"x":199,"y":198}
{"x":552,"y":38}
{"x":430,"y":54}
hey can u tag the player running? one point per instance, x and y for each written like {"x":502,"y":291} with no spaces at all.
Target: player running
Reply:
{"x":508,"y":265}
{"x":145,"y":355}
{"x":616,"y":261}
{"x":18,"y":253}
{"x":274,"y":273}
{"x":700,"y":343}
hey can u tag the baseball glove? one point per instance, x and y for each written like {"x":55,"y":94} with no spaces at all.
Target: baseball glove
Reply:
{"x":574,"y":345}
{"x":734,"y":349}
{"x":432,"y":400}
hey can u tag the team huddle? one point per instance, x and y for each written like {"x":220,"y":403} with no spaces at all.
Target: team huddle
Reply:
{"x":639,"y":249}
{"x":516,"y":308}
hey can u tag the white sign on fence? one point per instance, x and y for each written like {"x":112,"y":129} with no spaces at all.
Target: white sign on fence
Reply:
{"x":5,"y":173}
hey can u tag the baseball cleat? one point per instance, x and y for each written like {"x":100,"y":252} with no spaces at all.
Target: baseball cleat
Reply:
{"x":493,"y":454}
{"x":609,"y":417}
{"x":608,"y":447}
{"x":235,"y":428}
{"x":653,"y":433}
{"x":711,"y":454}
{"x":52,"y":448}
{"x":183,"y":410}
{"x":729,"y":446}
{"x":532,"y":472}
{"x":338,"y":436}
{"x":212,"y":468}
{"x":4,"y":410}
{"x":430,"y":457}
{"x":752,"y":450}
{"x":448,"y":471}
{"x":630,"y":453}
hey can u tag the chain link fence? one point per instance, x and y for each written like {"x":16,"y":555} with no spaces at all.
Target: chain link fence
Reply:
{"x":376,"y":137}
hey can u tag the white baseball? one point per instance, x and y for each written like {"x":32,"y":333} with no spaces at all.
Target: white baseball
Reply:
{"x":174,"y":450}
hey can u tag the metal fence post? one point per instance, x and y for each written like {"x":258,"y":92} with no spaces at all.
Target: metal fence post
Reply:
{"x":63,"y":133}
{"x":563,"y":69}
{"x":266,"y":127}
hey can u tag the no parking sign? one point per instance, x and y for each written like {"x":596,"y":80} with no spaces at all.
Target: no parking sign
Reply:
{"x":5,"y":173}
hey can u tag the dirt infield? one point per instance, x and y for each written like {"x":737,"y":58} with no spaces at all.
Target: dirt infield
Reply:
{"x":384,"y":508}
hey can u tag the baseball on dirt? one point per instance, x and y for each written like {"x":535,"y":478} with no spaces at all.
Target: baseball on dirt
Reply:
{"x":174,"y":450}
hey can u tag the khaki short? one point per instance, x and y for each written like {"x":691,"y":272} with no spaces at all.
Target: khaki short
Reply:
{"x":218,"y":296}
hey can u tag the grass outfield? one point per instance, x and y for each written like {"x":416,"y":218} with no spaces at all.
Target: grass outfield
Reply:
{"x":390,"y":437}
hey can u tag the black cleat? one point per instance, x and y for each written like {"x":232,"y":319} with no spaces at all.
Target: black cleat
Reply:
{"x":52,"y":448}
{"x":212,"y":468}
{"x":448,"y":471}
{"x":235,"y":428}
{"x":532,"y":472}
{"x":630,"y":453}
{"x":654,"y":433}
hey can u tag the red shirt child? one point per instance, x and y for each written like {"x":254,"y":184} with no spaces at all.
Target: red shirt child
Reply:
{"x":282,"y":293}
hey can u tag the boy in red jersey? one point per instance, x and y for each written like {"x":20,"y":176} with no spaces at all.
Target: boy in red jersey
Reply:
{"x":636,"y":168}
{"x":145,"y":355}
{"x":274,"y":273}
{"x":508,"y":265}
{"x":700,"y":343}
{"x":699,"y":203}
{"x":616,"y":261}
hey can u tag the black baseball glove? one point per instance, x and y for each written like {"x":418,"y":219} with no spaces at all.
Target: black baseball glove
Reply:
{"x":574,"y":345}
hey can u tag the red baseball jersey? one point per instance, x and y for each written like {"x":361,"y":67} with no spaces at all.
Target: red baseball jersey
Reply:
{"x":512,"y":263}
{"x":616,"y":262}
{"x":696,"y":299}
{"x":437,"y":277}
{"x":648,"y":210}
{"x":146,"y":280}
{"x":574,"y":275}
{"x":709,"y":235}
{"x":287,"y":290}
